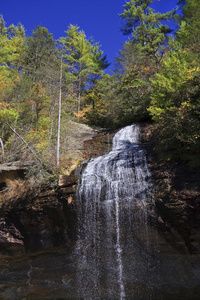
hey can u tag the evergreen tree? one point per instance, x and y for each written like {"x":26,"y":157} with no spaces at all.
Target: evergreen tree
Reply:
{"x":83,"y":61}
{"x":175,"y":106}
{"x":146,"y":28}
{"x":189,"y":33}
{"x":40,"y":54}
{"x":11,"y":48}
{"x":40,"y":76}
{"x":181,"y":3}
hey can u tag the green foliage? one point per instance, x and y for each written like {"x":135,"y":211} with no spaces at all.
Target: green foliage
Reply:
{"x":181,"y":2}
{"x":29,"y":90}
{"x":189,"y":32}
{"x":39,"y":138}
{"x":11,"y":48}
{"x":8,"y":115}
{"x":175,"y":101}
{"x":125,"y":96}
{"x":175,"y":105}
{"x":134,"y":95}
{"x":119,"y":100}
{"x":40,"y":56}
{"x":101,"y":109}
{"x":147,"y":28}
{"x":83,"y":62}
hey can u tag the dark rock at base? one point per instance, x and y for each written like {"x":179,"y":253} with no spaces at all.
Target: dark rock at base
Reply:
{"x":38,"y":222}
{"x":11,"y":240}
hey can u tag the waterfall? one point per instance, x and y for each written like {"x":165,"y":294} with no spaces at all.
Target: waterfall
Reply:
{"x":113,"y":199}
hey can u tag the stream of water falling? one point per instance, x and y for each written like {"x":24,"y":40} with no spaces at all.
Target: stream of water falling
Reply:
{"x":113,"y":196}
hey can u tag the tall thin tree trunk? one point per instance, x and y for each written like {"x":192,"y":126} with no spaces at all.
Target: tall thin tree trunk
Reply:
{"x":2,"y":147}
{"x":79,"y":97}
{"x":52,"y":118}
{"x":59,"y":116}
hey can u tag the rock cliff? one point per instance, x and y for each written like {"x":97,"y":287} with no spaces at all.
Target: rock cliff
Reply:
{"x":38,"y":222}
{"x":177,"y":196}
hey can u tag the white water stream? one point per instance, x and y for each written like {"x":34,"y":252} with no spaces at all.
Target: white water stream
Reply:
{"x":114,"y":187}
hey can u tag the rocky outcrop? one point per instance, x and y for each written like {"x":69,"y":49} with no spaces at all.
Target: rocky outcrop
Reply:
{"x":99,"y":145}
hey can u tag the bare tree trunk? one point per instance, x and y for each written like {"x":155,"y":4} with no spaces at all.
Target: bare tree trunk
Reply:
{"x":52,"y":117}
{"x":59,"y":116}
{"x":79,"y":97}
{"x":2,"y":147}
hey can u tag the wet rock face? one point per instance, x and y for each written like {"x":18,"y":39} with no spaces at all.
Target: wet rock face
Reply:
{"x":38,"y":223}
{"x":177,"y":196}
{"x":99,"y":145}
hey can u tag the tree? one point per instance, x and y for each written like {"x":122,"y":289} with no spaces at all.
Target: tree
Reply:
{"x":181,"y":3}
{"x":39,"y":87}
{"x":189,"y":32}
{"x":100,"y":64}
{"x":146,"y":28}
{"x":11,"y":48}
{"x":39,"y":101}
{"x":40,"y":55}
{"x":175,"y":106}
{"x":77,"y":58}
{"x":59,"y":116}
{"x":83,"y":61}
{"x":104,"y":113}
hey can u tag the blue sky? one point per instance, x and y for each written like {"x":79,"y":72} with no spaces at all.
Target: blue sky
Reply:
{"x":98,"y":19}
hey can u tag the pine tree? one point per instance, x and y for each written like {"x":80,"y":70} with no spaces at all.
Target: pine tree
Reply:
{"x":40,"y":54}
{"x":146,"y":28}
{"x":11,"y":48}
{"x":83,"y":61}
{"x":189,"y":33}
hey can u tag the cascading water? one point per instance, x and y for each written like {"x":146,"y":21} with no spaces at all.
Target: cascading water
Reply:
{"x":113,"y":197}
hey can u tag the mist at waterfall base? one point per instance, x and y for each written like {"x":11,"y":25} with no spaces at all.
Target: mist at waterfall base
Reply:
{"x":119,"y":252}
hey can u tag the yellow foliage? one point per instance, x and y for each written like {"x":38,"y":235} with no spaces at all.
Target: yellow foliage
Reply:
{"x":82,"y":114}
